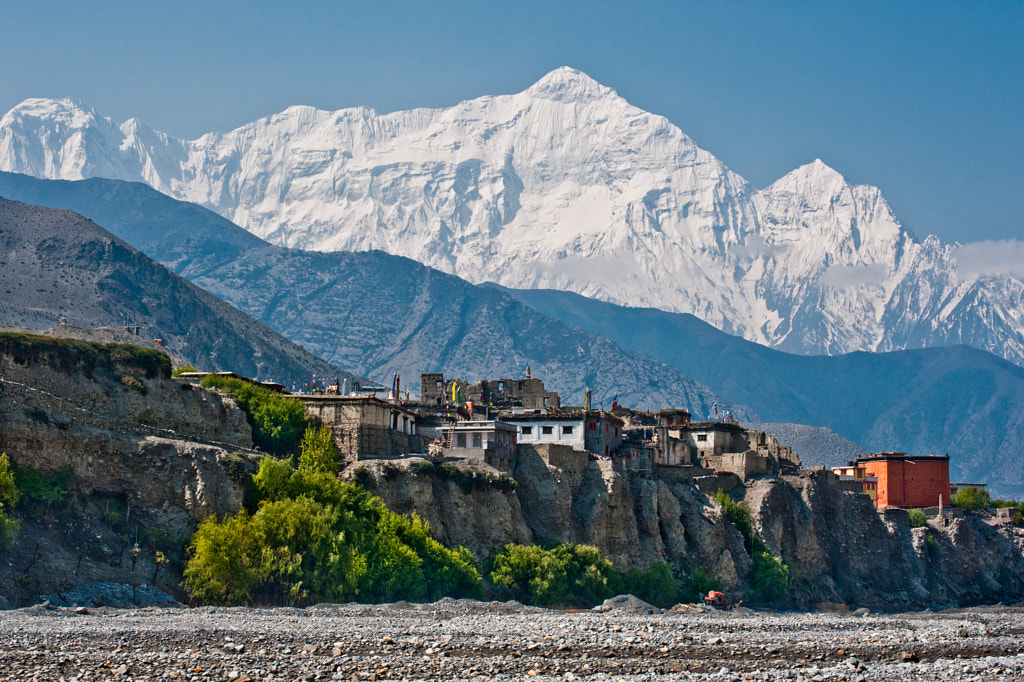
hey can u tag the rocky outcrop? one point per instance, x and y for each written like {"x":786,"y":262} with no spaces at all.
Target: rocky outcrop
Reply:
{"x":633,"y":521}
{"x":839,"y":547}
{"x":140,"y":460}
{"x":846,"y":551}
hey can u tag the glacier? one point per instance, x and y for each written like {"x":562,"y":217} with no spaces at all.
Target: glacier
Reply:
{"x":564,"y":186}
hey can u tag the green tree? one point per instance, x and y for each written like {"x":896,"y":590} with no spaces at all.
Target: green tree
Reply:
{"x":319,"y":453}
{"x":567,"y":575}
{"x":277,"y":421}
{"x":970,"y":499}
{"x":917,"y":518}
{"x":655,"y":585}
{"x":314,"y":537}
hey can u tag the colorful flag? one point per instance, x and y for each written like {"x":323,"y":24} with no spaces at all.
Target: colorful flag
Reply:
{"x":615,"y":402}
{"x":586,"y":400}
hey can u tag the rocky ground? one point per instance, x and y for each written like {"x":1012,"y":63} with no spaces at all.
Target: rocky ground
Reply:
{"x":452,"y":640}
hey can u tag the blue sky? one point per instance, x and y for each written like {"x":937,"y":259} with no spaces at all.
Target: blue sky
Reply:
{"x":923,"y":99}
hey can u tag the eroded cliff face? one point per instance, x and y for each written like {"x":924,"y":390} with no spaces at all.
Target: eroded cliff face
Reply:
{"x":839,"y":547}
{"x":846,"y":551}
{"x":633,"y":521}
{"x":142,"y":459}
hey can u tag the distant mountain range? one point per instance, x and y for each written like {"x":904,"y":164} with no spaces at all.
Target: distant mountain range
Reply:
{"x":372,"y":313}
{"x":562,"y":186}
{"x":376,"y":314}
{"x":56,"y":265}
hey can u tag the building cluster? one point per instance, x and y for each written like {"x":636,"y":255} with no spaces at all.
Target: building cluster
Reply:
{"x":492,"y":421}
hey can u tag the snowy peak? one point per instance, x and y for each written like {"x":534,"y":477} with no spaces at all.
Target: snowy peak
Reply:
{"x":566,"y":84}
{"x":563,"y":186}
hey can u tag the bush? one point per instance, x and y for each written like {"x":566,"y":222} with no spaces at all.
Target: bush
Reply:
{"x":970,"y":499}
{"x":769,"y":579}
{"x":178,"y":371}
{"x":37,"y":489}
{"x":769,"y":575}
{"x":319,"y":453}
{"x":697,"y":585}
{"x":277,"y":421}
{"x":655,"y":585}
{"x":316,"y":538}
{"x":9,"y":495}
{"x":567,"y":576}
{"x":917,"y":518}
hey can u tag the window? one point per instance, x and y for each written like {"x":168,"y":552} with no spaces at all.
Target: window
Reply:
{"x":702,"y":437}
{"x":460,"y":440}
{"x":501,"y":385}
{"x":546,"y":430}
{"x":592,"y":426}
{"x":567,"y":430}
{"x":545,"y":401}
{"x":477,"y":440}
{"x":527,"y":430}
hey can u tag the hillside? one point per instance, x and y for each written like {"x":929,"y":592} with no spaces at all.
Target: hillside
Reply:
{"x":57,"y":266}
{"x":955,"y":400}
{"x":373,"y":313}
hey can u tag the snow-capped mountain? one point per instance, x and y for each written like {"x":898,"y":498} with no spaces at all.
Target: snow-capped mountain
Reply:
{"x":566,"y":186}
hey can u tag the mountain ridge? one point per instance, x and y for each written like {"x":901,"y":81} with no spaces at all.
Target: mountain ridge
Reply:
{"x":564,"y":185}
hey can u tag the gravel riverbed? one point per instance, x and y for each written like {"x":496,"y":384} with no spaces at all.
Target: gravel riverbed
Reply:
{"x":464,"y":640}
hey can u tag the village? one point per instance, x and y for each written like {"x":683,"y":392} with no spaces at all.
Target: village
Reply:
{"x":490,"y":423}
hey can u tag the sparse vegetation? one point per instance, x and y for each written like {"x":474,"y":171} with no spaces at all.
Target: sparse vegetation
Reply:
{"x":769,"y":578}
{"x":277,"y":421}
{"x":178,"y":371}
{"x":468,"y":478}
{"x":69,"y":355}
{"x":918,"y":519}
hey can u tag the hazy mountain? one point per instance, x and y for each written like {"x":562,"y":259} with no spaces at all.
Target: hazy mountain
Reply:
{"x":959,"y":400}
{"x":56,"y":264}
{"x":373,"y":313}
{"x":377,"y":314}
{"x":565,"y":186}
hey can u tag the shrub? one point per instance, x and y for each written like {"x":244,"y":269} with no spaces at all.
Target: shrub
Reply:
{"x":697,"y":585}
{"x":277,"y":421}
{"x":38,"y":489}
{"x":568,"y":575}
{"x":970,"y":499}
{"x":178,"y":371}
{"x":655,"y":585}
{"x":134,"y":383}
{"x":917,"y":518}
{"x":316,"y":538}
{"x":9,"y":495}
{"x":769,"y":575}
{"x":319,"y":453}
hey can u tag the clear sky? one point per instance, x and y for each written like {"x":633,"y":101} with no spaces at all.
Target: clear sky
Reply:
{"x":923,"y":99}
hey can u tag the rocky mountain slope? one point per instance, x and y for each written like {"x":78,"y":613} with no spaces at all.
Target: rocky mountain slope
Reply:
{"x":955,"y":400}
{"x":56,"y":265}
{"x":371,"y":312}
{"x":567,"y":186}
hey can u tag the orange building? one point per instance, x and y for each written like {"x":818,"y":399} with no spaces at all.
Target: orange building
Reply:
{"x":908,"y":481}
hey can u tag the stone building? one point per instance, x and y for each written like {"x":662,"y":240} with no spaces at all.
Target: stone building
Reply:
{"x":366,"y":427}
{"x":492,"y":442}
{"x":527,"y":392}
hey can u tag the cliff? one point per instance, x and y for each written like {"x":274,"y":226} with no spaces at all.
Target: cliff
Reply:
{"x":116,"y":455}
{"x":838,"y":547}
